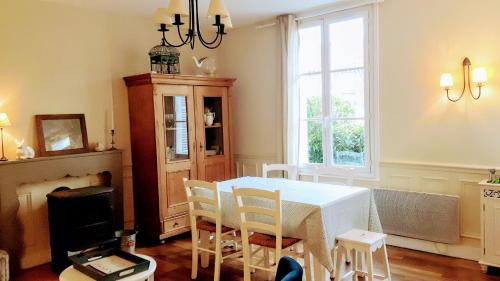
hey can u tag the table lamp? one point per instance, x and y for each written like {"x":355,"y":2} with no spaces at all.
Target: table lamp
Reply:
{"x":4,"y":122}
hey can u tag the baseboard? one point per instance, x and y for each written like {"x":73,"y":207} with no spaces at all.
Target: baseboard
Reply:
{"x":469,"y":248}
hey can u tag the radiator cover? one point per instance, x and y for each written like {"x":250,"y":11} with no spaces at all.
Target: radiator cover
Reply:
{"x":425,"y":216}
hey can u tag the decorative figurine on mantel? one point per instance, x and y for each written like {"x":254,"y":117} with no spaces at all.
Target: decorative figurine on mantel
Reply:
{"x":24,"y":151}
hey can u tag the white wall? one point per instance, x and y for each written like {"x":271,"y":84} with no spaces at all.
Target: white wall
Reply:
{"x":254,"y":58}
{"x":418,"y":41}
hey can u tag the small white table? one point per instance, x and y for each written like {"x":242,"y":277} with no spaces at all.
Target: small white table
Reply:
{"x":71,"y":274}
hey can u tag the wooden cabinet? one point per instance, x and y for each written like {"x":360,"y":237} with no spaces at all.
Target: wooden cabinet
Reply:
{"x":490,"y":225}
{"x":180,"y":127}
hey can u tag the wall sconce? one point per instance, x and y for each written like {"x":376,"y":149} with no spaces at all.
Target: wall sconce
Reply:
{"x":479,"y":77}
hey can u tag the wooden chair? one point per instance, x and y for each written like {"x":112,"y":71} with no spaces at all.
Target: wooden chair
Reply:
{"x":265,"y":222}
{"x":290,"y":170}
{"x":204,"y":222}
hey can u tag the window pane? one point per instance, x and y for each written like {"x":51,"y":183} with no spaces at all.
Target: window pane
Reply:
{"x":310,"y":96}
{"x":347,"y":89}
{"x":311,"y":142}
{"x":347,"y":44}
{"x":348,"y":145}
{"x":310,"y":49}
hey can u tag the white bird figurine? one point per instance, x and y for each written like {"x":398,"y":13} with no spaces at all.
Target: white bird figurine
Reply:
{"x":206,"y":64}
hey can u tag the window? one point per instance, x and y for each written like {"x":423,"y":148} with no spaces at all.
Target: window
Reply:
{"x":336,"y":96}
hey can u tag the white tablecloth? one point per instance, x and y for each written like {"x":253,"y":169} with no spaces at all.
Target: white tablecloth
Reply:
{"x":314,"y":212}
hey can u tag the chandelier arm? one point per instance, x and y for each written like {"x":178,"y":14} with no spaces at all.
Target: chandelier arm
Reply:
{"x":174,"y":45}
{"x":213,"y":46}
{"x":198,"y":31}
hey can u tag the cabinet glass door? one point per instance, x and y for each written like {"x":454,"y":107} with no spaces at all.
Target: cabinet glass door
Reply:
{"x":212,"y":133}
{"x":213,"y":126}
{"x":176,"y":128}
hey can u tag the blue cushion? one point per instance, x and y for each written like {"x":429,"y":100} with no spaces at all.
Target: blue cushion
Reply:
{"x":288,"y":270}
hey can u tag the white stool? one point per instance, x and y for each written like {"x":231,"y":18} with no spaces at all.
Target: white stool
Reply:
{"x":71,"y":274}
{"x":365,"y":243}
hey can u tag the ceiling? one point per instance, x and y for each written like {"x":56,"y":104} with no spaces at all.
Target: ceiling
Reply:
{"x":243,"y":12}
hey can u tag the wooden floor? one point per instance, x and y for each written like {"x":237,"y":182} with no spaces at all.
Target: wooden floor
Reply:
{"x":174,"y":263}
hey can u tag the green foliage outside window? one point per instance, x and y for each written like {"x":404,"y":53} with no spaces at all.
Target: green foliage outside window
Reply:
{"x":348,"y":136}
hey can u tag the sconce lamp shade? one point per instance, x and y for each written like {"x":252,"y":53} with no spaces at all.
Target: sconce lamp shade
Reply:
{"x":217,"y":8}
{"x":479,"y":75}
{"x":177,"y":7}
{"x":446,"y":80}
{"x":163,"y":17}
{"x":4,"y":120}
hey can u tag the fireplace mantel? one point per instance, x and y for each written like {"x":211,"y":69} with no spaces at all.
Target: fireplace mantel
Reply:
{"x":13,"y":174}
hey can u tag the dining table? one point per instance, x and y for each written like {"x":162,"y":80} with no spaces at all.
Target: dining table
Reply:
{"x":313,"y":212}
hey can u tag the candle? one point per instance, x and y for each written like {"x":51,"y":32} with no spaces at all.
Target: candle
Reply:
{"x":112,"y":119}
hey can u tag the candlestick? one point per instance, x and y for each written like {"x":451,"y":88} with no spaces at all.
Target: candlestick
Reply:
{"x":112,"y":140}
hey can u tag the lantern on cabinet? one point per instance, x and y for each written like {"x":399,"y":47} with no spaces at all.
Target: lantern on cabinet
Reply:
{"x":164,"y":59}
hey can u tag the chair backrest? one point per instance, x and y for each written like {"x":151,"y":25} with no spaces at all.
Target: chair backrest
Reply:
{"x":291,"y":170}
{"x":289,"y":270}
{"x":203,"y":201}
{"x":260,"y":211}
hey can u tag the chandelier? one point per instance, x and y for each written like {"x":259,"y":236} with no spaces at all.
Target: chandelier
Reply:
{"x":177,"y":19}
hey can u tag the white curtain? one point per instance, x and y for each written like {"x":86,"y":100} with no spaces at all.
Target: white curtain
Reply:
{"x":289,"y":87}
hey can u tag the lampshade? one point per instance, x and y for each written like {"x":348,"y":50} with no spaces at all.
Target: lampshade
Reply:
{"x":446,"y":80}
{"x":4,"y":120}
{"x":163,"y":17}
{"x":217,"y":7}
{"x":177,"y":7}
{"x":479,"y":75}
{"x":227,"y":22}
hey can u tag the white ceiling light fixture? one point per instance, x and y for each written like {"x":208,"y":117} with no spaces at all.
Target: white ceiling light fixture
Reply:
{"x":177,"y":15}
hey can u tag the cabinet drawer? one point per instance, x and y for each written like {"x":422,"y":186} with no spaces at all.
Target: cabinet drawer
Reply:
{"x":175,"y":224}
{"x":177,"y":209}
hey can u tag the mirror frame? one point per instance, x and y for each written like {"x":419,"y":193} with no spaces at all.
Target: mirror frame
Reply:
{"x":41,"y":137}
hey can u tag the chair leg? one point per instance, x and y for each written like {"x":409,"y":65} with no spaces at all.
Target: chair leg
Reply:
{"x":267,"y":264}
{"x":194,"y":258}
{"x":218,"y":256}
{"x":354,"y":264}
{"x":340,"y":253}
{"x":307,"y":262}
{"x":205,"y":243}
{"x":369,"y":264}
{"x":246,"y":259}
{"x":386,"y":260}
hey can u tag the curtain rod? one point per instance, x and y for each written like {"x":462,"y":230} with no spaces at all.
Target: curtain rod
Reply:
{"x":337,"y":7}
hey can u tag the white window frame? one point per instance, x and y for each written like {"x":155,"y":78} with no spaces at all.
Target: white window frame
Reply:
{"x":370,"y":170}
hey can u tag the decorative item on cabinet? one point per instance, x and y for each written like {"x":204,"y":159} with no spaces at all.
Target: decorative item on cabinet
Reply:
{"x":490,"y":220}
{"x":206,"y":64}
{"x":170,"y":140}
{"x":164,"y":59}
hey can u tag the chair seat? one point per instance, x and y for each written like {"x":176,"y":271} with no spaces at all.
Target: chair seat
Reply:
{"x":269,"y":241}
{"x":210,"y":227}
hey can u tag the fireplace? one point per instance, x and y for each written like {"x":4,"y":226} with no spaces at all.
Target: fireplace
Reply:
{"x":79,"y":219}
